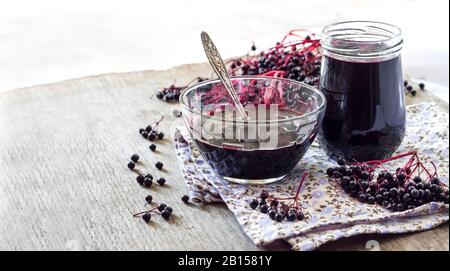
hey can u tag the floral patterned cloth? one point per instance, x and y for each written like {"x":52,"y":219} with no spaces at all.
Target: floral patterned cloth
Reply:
{"x":331,"y":214}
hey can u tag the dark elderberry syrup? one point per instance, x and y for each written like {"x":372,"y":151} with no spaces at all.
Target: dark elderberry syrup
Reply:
{"x":245,"y":159}
{"x":365,"y":114}
{"x":253,"y":164}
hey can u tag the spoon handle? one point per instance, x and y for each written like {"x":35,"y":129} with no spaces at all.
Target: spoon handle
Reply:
{"x":216,"y":62}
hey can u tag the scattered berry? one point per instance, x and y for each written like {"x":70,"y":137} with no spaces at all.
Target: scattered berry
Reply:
{"x":135,"y":158}
{"x":148,"y":182}
{"x":131,"y":165}
{"x":149,"y":199}
{"x":254,"y":204}
{"x":422,"y":86}
{"x":159,"y":165}
{"x":341,"y":161}
{"x":161,"y":181}
{"x":146,"y":217}
{"x":161,"y":207}
{"x":151,"y":137}
{"x":166,"y":214}
{"x":185,"y":199}
{"x":140,"y":179}
{"x":264,"y":195}
{"x":152,"y":147}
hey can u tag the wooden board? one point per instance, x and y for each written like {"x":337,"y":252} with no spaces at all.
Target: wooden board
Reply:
{"x":64,"y":184}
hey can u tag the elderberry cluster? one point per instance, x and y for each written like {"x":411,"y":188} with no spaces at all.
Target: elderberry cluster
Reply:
{"x":172,"y":93}
{"x":300,"y":67}
{"x":151,"y":134}
{"x":161,"y":209}
{"x":275,"y":209}
{"x":394,"y":191}
{"x":411,"y":89}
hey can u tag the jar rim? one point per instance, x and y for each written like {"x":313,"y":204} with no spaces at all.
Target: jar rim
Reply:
{"x":362,"y":40}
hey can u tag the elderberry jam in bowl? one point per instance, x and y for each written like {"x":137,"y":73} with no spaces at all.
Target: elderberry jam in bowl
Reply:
{"x":362,"y":79}
{"x":283,"y":120}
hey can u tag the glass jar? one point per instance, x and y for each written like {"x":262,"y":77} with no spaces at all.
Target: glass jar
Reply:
{"x":362,"y":79}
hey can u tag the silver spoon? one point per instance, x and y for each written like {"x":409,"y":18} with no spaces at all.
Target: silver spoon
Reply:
{"x":219,"y":67}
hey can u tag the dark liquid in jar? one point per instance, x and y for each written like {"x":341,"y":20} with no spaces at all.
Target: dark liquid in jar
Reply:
{"x":365,"y":115}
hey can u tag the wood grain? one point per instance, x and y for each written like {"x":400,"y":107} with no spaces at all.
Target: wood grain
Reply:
{"x":64,"y":184}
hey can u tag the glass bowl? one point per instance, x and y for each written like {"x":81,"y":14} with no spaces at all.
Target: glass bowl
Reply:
{"x":284,"y":118}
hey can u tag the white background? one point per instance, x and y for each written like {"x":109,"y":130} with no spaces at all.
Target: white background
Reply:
{"x":45,"y":41}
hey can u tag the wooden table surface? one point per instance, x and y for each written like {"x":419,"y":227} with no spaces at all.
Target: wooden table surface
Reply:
{"x":64,"y":183}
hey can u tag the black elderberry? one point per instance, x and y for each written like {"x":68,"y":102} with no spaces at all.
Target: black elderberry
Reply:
{"x":435,"y":181}
{"x":150,"y":176}
{"x":292,"y":216}
{"x":420,"y":186}
{"x":427,"y":194}
{"x":152,"y":147}
{"x":348,"y":172}
{"x":264,"y":195}
{"x":407,"y":197}
{"x":400,"y":207}
{"x":279,"y":217}
{"x":379,"y":198}
{"x":434,"y":188}
{"x":386,"y":195}
{"x":264,"y":208}
{"x":140,"y":179}
{"x":365,"y":175}
{"x":151,"y":137}
{"x":274,"y":203}
{"x":409,"y":88}
{"x":336,"y":174}
{"x":415,"y":193}
{"x":365,"y":184}
{"x":148,"y":182}
{"x":362,"y":197}
{"x":341,"y":161}
{"x":159,"y":165}
{"x":393,"y":192}
{"x":169,"y":209}
{"x":161,"y":207}
{"x":135,"y":158}
{"x":161,"y":181}
{"x":352,"y":184}
{"x":146,"y":217}
{"x":254,"y":204}
{"x":388,"y":176}
{"x":148,"y":128}
{"x":272,"y":213}
{"x":422,"y":86}
{"x":166,"y":214}
{"x":160,"y":135}
{"x":401,"y":177}
{"x":141,"y":130}
{"x":417,"y":179}
{"x":300,"y":216}
{"x":159,"y":95}
{"x":371,"y":200}
{"x":131,"y":165}
{"x":262,"y":202}
{"x":185,"y":199}
{"x":144,"y":134}
{"x":345,"y":180}
{"x":149,"y":199}
{"x":330,"y":172}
